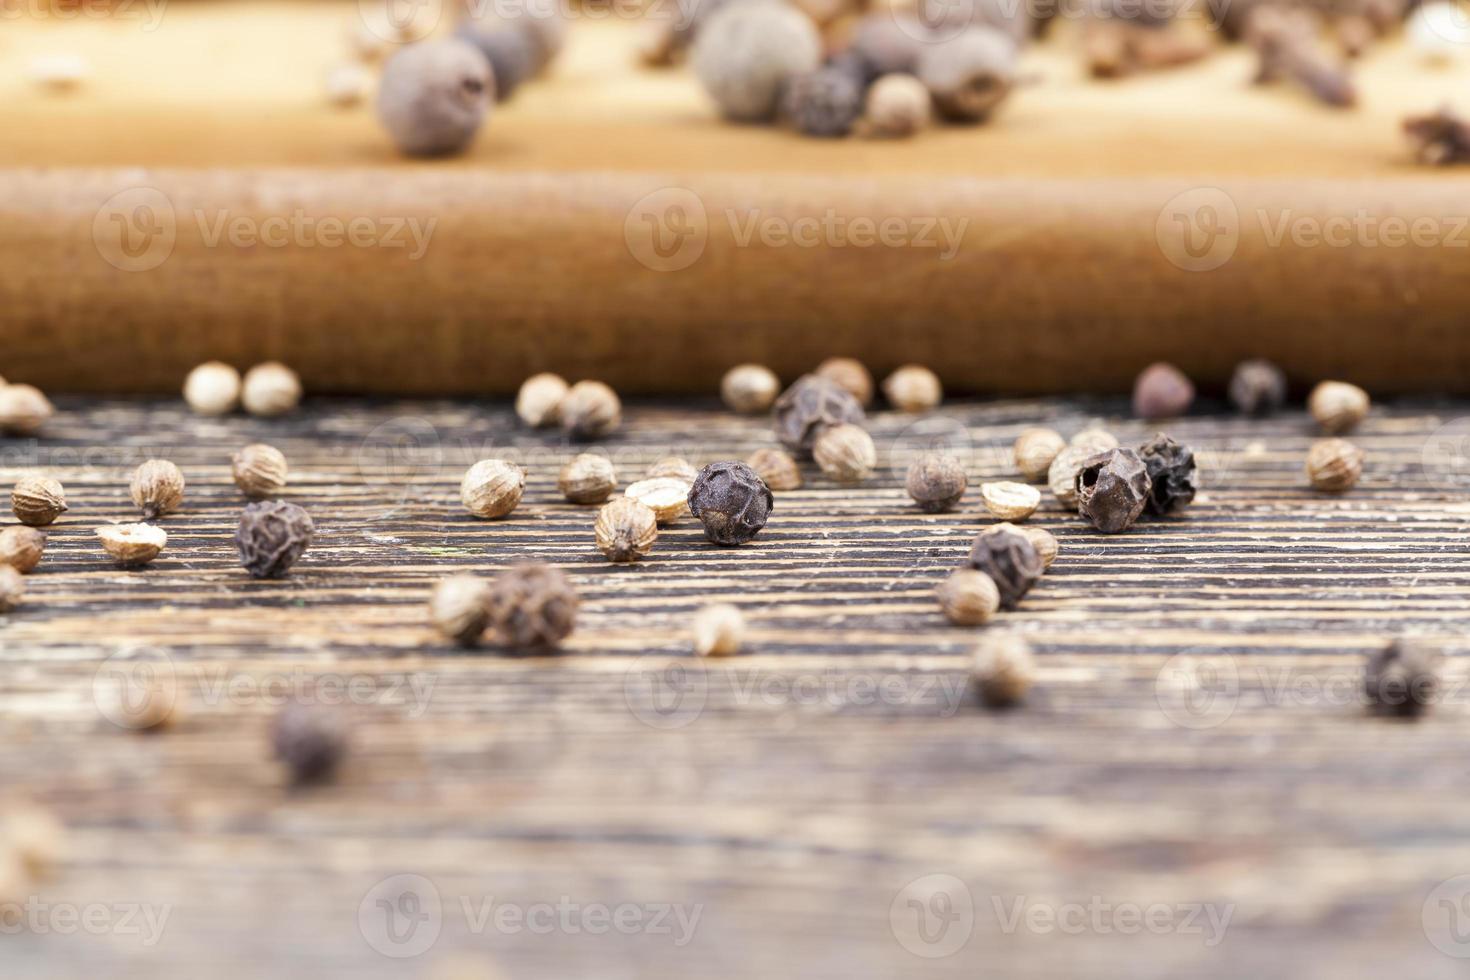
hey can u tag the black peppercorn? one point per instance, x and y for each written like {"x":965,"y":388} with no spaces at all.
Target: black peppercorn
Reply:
{"x":1112,"y":488}
{"x":826,"y":102}
{"x":811,"y":405}
{"x":532,"y":606}
{"x":271,"y":536}
{"x":310,"y":741}
{"x":1171,"y":473}
{"x":1257,"y":387}
{"x":1401,"y":679}
{"x":732,"y":502}
{"x":1011,"y":561}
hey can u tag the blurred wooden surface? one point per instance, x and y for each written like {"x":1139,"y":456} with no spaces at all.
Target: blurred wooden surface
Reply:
{"x":1195,"y":743}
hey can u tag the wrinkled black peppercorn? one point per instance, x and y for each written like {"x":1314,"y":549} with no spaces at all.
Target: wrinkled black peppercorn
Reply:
{"x":1257,"y":387}
{"x":1171,"y":473}
{"x":732,"y":502}
{"x":809,"y":406}
{"x":1011,"y":561}
{"x":271,"y":536}
{"x":310,"y":741}
{"x":1401,"y":679}
{"x":826,"y":102}
{"x":532,"y":606}
{"x":1112,"y":489}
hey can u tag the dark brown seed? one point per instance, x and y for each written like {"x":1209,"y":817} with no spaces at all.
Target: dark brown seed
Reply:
{"x":1257,"y":387}
{"x":1112,"y":489}
{"x":1439,"y":139}
{"x":311,"y":741}
{"x":271,"y":536}
{"x":1402,"y":678}
{"x":1171,"y":474}
{"x":810,"y":406}
{"x":1162,"y":392}
{"x":936,"y":482}
{"x":1010,"y":560}
{"x":731,"y":501}
{"x":533,"y":606}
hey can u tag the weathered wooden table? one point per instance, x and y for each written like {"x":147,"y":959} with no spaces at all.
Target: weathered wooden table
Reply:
{"x":1194,"y":788}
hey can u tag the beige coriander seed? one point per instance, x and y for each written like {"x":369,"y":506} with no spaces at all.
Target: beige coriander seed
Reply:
{"x":1094,"y":440}
{"x":347,"y":84}
{"x":936,"y":482}
{"x":590,"y":409}
{"x":675,"y":466}
{"x":459,"y":608}
{"x":1044,"y":542}
{"x":1061,"y":476}
{"x":492,"y":488}
{"x":776,"y":468}
{"x":212,"y":388}
{"x":1334,"y":465}
{"x":587,"y":479}
{"x":626,"y":529}
{"x":1010,"y":501}
{"x":846,"y":453}
{"x":132,"y":545}
{"x":35,"y":837}
{"x":259,"y":470}
{"x":270,"y":389}
{"x":1002,"y":670}
{"x":749,"y":389}
{"x":1034,"y":451}
{"x":913,"y":388}
{"x":968,"y":597}
{"x":1338,"y":406}
{"x":667,"y":496}
{"x":38,"y":500}
{"x":850,"y":375}
{"x":21,"y":547}
{"x":539,"y":398}
{"x":23,"y":409}
{"x":12,"y":588}
{"x":157,"y":488}
{"x":719,"y":629}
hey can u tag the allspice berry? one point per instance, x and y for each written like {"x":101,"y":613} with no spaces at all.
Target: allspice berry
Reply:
{"x":749,"y":388}
{"x":625,"y":530}
{"x":311,"y":741}
{"x":433,"y":96}
{"x":1171,"y":474}
{"x":1162,"y":391}
{"x":969,"y":75}
{"x":1034,"y":451}
{"x":1044,"y":542}
{"x":718,"y":630}
{"x":913,"y":388}
{"x":590,"y":410}
{"x":1010,"y":501}
{"x":587,"y":479}
{"x":259,"y":470}
{"x":492,"y":488}
{"x":666,"y":496}
{"x":1112,"y":490}
{"x":22,"y":547}
{"x":1338,"y":406}
{"x":38,"y":500}
{"x":23,"y":409}
{"x":1061,"y":476}
{"x":459,"y":608}
{"x":677,"y":467}
{"x":777,"y":469}
{"x":1002,"y":670}
{"x":212,"y":388}
{"x":270,"y":389}
{"x":745,"y":52}
{"x":533,"y":606}
{"x":851,"y":375}
{"x":898,"y":106}
{"x":157,"y":488}
{"x":132,"y":545}
{"x":272,"y":535}
{"x":1402,"y":679}
{"x":936,"y":482}
{"x":968,"y":597}
{"x":731,"y":502}
{"x":846,"y":453}
{"x":538,"y":402}
{"x":810,"y":406}
{"x":825,"y":102}
{"x":1006,"y":554}
{"x":1257,"y":387}
{"x":12,"y":588}
{"x":1334,"y":465}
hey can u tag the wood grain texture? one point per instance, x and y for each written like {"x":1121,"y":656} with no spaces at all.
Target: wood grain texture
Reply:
{"x":791,"y":794}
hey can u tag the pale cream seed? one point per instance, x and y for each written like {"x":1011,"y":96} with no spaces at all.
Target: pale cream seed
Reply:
{"x":1034,"y":451}
{"x":968,"y":597}
{"x":625,"y":530}
{"x":459,"y":608}
{"x":1002,"y":669}
{"x":492,"y":488}
{"x":538,"y":400}
{"x":157,"y":488}
{"x":270,"y":389}
{"x":1338,"y":406}
{"x":259,"y":470}
{"x":1010,"y":501}
{"x":213,"y":388}
{"x":846,"y":453}
{"x":749,"y":388}
{"x":719,"y":629}
{"x":587,"y":479}
{"x":23,"y":409}
{"x":38,"y":500}
{"x":132,"y":545}
{"x":913,"y":388}
{"x":667,"y":496}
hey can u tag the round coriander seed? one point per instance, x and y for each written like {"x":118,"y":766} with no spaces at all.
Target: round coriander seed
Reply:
{"x":1035,"y":449}
{"x":1003,"y":670}
{"x":850,"y":375}
{"x":777,"y":469}
{"x":22,"y":547}
{"x":846,"y":453}
{"x":212,"y":388}
{"x":459,"y":608}
{"x":35,"y":836}
{"x":897,"y":106}
{"x":936,"y":482}
{"x":433,"y":96}
{"x":259,"y":470}
{"x":12,"y":588}
{"x":539,"y":398}
{"x":346,"y":85}
{"x":675,"y":466}
{"x":718,"y":630}
{"x":590,"y":410}
{"x":968,"y":597}
{"x":731,"y":502}
{"x":666,"y":496}
{"x":1061,"y":476}
{"x":749,"y":388}
{"x":23,"y":409}
{"x":913,"y":388}
{"x":157,"y":488}
{"x":1010,"y":501}
{"x":533,"y":606}
{"x":38,"y":500}
{"x":272,"y":535}
{"x":587,"y":479}
{"x":492,"y":488}
{"x":270,"y":389}
{"x":625,"y":530}
{"x":1044,"y":542}
{"x":1334,"y":465}
{"x":132,"y":545}
{"x":1338,"y":406}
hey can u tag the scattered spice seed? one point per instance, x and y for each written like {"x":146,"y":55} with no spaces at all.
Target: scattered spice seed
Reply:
{"x":1402,"y":679}
{"x":1162,"y":391}
{"x":1034,"y":451}
{"x":846,"y":453}
{"x":1338,"y":406}
{"x":272,"y":535}
{"x":1334,"y":465}
{"x":810,"y":406}
{"x":1005,"y":554}
{"x":538,"y":400}
{"x":492,"y":488}
{"x":626,"y":529}
{"x":270,"y":389}
{"x":731,"y":502}
{"x":259,"y":470}
{"x":1044,"y":542}
{"x":677,"y":467}
{"x":968,"y":597}
{"x":1439,"y":139}
{"x":511,"y":51}
{"x":1171,"y":474}
{"x":346,"y":85}
{"x":718,"y":630}
{"x":745,"y":52}
{"x":666,"y":496}
{"x":936,"y":482}
{"x":59,"y":72}
{"x":434,"y":96}
{"x":38,"y":500}
{"x":913,"y":388}
{"x":590,"y":410}
{"x":311,"y":741}
{"x":777,"y":469}
{"x":157,"y":488}
{"x":1257,"y":388}
{"x":1010,"y":501}
{"x":23,"y":409}
{"x":1061,"y":476}
{"x":1002,"y":670}
{"x":1285,"y":41}
{"x":824,"y":103}
{"x":888,"y":43}
{"x":12,"y":588}
{"x":851,"y":375}
{"x":132,"y":545}
{"x":1112,"y":490}
{"x":897,"y":107}
{"x":749,"y":388}
{"x":587,"y":479}
{"x":35,"y":836}
{"x":533,"y":606}
{"x":1094,"y":440}
{"x":153,"y":709}
{"x":213,"y":388}
{"x":969,"y":75}
{"x":459,"y":608}
{"x":21,"y":547}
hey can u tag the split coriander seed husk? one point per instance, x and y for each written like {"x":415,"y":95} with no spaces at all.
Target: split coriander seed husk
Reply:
{"x":968,"y":597}
{"x":259,"y":470}
{"x":936,"y":482}
{"x":492,"y":488}
{"x":666,"y":496}
{"x":1010,"y":501}
{"x":1334,"y":465}
{"x":157,"y":488}
{"x":459,"y":608}
{"x":749,"y":388}
{"x":132,"y":545}
{"x":539,"y":399}
{"x":626,"y":529}
{"x":587,"y":479}
{"x":718,"y":630}
{"x":38,"y":500}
